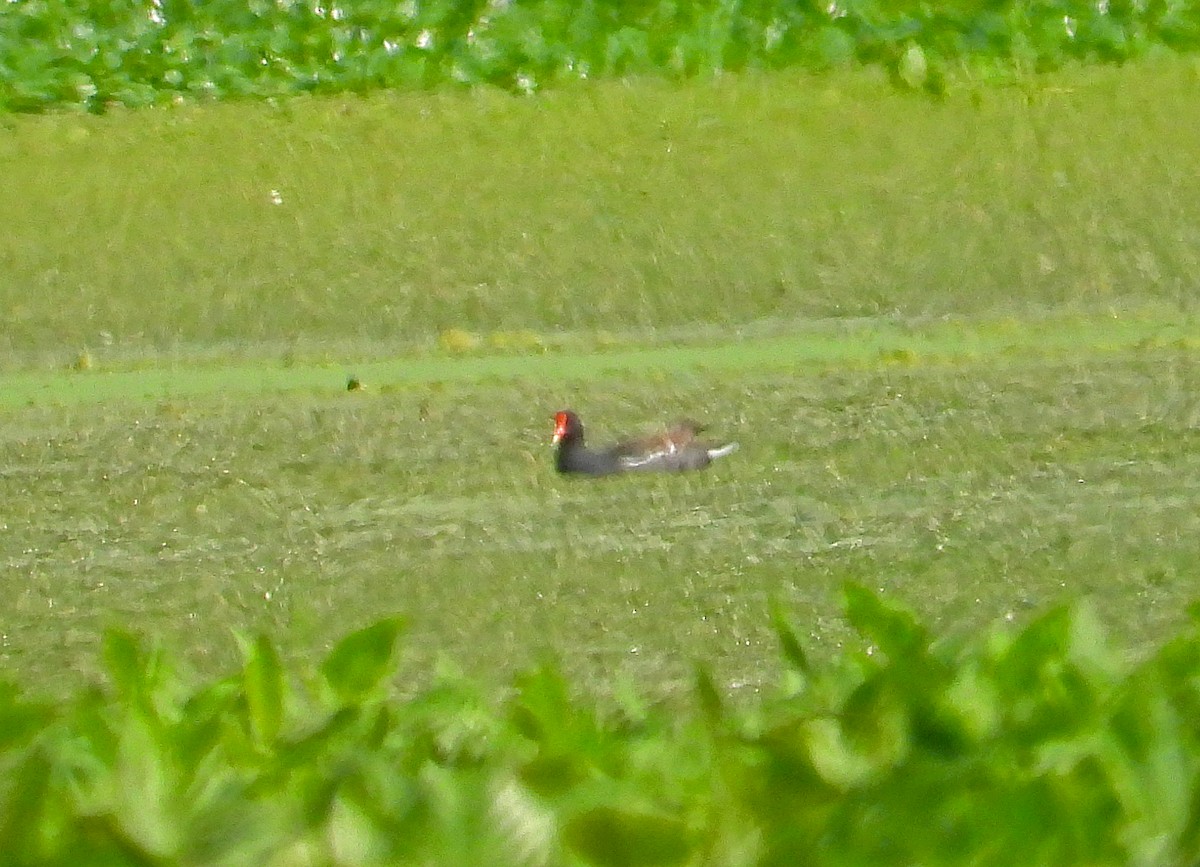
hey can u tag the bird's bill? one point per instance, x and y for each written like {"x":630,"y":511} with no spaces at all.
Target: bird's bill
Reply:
{"x":560,"y":428}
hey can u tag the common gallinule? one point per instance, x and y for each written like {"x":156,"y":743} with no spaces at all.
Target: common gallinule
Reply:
{"x":673,"y":450}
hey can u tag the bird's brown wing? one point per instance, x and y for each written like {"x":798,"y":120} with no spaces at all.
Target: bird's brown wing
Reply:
{"x":673,"y":439}
{"x":683,"y":432}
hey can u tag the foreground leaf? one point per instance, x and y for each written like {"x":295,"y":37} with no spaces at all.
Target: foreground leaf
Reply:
{"x":613,"y":837}
{"x":263,"y":683}
{"x":361,"y":660}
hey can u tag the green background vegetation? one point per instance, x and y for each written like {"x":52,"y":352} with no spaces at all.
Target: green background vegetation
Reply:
{"x":92,"y":55}
{"x":956,"y":338}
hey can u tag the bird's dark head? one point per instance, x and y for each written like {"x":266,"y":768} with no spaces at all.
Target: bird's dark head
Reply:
{"x":567,"y":427}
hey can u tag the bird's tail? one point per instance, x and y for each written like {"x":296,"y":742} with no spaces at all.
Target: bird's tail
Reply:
{"x":722,"y":451}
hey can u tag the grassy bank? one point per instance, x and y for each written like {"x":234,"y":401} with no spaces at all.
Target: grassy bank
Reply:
{"x":976,"y":490}
{"x":811,"y":347}
{"x":616,"y":208}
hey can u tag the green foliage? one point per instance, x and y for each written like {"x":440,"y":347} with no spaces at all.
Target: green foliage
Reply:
{"x":96,"y":53}
{"x":1043,"y":746}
